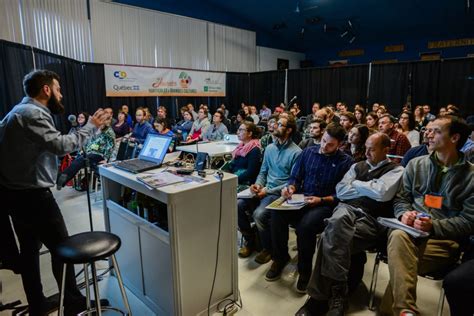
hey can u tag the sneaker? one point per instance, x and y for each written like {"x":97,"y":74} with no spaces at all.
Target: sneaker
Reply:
{"x":61,"y":181}
{"x":337,"y":301}
{"x":263,"y":256}
{"x":246,"y":251}
{"x":275,"y":271}
{"x":302,"y":284}
{"x":313,"y":307}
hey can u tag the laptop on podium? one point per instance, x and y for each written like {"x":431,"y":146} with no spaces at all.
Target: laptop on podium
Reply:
{"x":151,"y":156}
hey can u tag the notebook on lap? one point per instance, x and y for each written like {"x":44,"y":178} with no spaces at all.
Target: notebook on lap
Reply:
{"x":151,"y":156}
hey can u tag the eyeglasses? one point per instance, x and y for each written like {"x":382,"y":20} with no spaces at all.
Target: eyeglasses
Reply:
{"x":279,"y":124}
{"x":241,"y":130}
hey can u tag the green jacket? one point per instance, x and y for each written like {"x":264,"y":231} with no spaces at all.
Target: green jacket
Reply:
{"x":455,"y":219}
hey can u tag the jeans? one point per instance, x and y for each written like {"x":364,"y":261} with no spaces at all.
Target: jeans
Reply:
{"x":37,"y":219}
{"x":308,"y":221}
{"x":257,"y":209}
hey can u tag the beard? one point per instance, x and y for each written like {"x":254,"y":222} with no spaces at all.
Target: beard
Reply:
{"x":54,"y":105}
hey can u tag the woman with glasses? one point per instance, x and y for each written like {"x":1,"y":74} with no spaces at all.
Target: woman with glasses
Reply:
{"x":217,"y":130}
{"x":247,"y":156}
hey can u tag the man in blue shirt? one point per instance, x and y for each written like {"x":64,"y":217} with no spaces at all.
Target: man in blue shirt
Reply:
{"x":141,"y":128}
{"x":278,"y":162}
{"x":365,"y":192}
{"x":317,"y":171}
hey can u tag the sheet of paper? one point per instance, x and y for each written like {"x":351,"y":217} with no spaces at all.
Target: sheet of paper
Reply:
{"x":245,"y":194}
{"x":396,"y":224}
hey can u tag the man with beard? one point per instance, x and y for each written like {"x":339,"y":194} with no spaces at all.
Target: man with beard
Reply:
{"x":316,"y":131}
{"x":29,"y":146}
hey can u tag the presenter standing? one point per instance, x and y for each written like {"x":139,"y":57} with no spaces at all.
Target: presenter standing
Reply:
{"x":29,"y":146}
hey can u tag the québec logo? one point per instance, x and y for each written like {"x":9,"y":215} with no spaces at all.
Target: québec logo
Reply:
{"x":120,"y":74}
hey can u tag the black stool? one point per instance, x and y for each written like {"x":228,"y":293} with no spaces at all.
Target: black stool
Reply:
{"x":87,"y":248}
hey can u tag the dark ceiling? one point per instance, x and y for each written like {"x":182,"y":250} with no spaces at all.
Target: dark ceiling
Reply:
{"x":306,"y":24}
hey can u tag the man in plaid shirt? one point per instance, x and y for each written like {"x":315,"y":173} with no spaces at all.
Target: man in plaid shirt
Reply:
{"x":400,"y":143}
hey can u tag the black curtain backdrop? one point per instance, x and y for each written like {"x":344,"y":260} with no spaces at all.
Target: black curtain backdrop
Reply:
{"x":389,"y":84}
{"x":83,"y":86}
{"x":267,"y":87}
{"x":15,"y":62}
{"x":328,"y":86}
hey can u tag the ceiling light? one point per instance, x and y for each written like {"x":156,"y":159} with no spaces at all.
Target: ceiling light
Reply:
{"x":345,"y":33}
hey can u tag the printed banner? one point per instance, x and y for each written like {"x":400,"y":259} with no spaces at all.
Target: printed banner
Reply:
{"x":130,"y":81}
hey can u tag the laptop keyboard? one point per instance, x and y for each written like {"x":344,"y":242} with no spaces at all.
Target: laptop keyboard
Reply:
{"x":137,"y":164}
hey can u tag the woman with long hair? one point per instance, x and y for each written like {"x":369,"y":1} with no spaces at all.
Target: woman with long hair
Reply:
{"x":407,"y":125}
{"x":420,"y":119}
{"x":372,"y":121}
{"x":359,"y":115}
{"x":357,"y":137}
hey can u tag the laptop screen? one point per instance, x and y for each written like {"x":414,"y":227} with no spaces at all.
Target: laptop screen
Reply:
{"x":155,"y":148}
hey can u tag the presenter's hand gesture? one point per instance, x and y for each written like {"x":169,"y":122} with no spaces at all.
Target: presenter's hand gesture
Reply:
{"x":99,"y":118}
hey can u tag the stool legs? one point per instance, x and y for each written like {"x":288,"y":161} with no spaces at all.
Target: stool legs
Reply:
{"x":96,"y":289}
{"x":61,"y":294}
{"x":122,"y":289}
{"x":88,"y":290}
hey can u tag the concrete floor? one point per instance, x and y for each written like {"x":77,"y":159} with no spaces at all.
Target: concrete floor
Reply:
{"x":259,"y":297}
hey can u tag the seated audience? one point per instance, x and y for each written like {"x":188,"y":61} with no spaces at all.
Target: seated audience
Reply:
{"x":121,"y":127}
{"x":99,"y":148}
{"x":277,"y":164}
{"x":360,"y":116}
{"x":129,"y":120}
{"x":315,"y":131}
{"x":400,"y":143}
{"x":375,"y":107}
{"x":442,"y":111}
{"x":265,"y":113}
{"x":470,"y":141}
{"x":268,"y":137}
{"x":296,"y":135}
{"x":161,"y":127}
{"x":315,"y":174}
{"x":357,"y":137}
{"x":365,"y":193}
{"x":239,"y":118}
{"x":347,"y":120}
{"x":247,"y":156}
{"x":437,"y":197}
{"x":372,"y":121}
{"x":253,"y":114}
{"x":199,"y":127}
{"x":427,"y":114}
{"x":309,"y":118}
{"x":141,"y":128}
{"x":183,"y":127}
{"x":191,"y":109}
{"x":82,"y":119}
{"x":295,"y":110}
{"x":420,"y":119}
{"x":217,"y":130}
{"x":418,"y":151}
{"x":381,"y":111}
{"x":407,"y":125}
{"x":109,"y":111}
{"x":224,"y":110}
